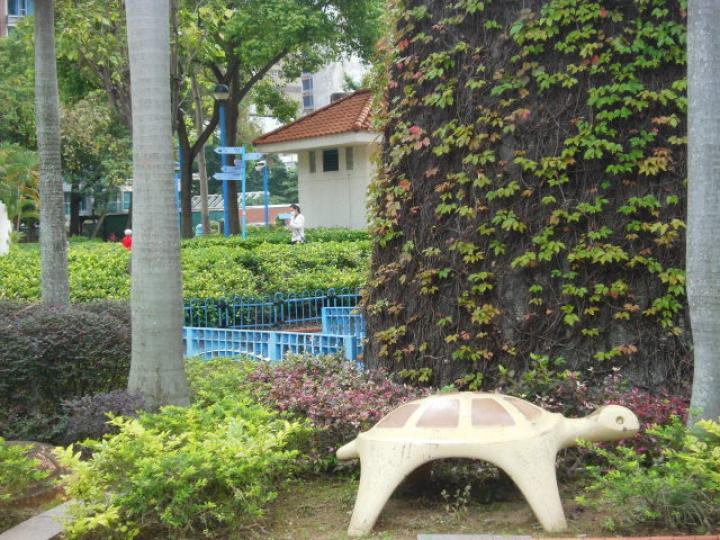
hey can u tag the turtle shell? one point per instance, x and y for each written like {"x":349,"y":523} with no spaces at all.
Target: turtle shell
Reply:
{"x":464,"y":416}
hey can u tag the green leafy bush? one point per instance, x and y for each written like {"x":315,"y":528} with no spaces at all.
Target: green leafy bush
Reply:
{"x":17,"y":471}
{"x":213,"y":267}
{"x":51,"y":355}
{"x":184,"y":471}
{"x":680,"y":489}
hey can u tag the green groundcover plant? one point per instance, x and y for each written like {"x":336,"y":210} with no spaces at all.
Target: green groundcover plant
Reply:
{"x":17,"y":471}
{"x":212,"y":267}
{"x":679,"y":490}
{"x":184,"y":472}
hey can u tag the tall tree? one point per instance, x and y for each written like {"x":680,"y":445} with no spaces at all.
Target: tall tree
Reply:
{"x":157,"y":369}
{"x":224,"y":42}
{"x":53,"y":253}
{"x":703,"y":249}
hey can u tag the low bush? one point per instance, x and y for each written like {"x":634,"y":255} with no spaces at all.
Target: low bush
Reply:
{"x":680,"y":490}
{"x":213,"y":267}
{"x":17,"y":471}
{"x":338,"y":398}
{"x":50,"y":355}
{"x":185,"y":472}
{"x":87,"y":416}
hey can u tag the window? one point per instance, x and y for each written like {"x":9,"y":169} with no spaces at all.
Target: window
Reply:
{"x":127,"y":200}
{"x":20,"y":7}
{"x":330,"y":160}
{"x":349,"y":158}
{"x":66,"y":197}
{"x":308,"y":102}
{"x":311,"y":155}
{"x":307,"y":84}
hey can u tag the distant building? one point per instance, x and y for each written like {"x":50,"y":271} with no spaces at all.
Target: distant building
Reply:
{"x":334,"y":144}
{"x":319,"y":88}
{"x":11,"y":11}
{"x":255,"y":213}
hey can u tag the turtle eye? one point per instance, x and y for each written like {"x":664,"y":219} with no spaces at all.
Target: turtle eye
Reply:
{"x":619,"y":420}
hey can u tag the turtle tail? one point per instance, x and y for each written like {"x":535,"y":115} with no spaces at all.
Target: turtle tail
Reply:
{"x":349,"y":451}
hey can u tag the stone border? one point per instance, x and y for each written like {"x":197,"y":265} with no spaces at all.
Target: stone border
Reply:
{"x":45,"y":526}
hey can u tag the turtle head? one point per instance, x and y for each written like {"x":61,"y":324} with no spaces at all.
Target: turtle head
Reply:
{"x":612,"y":423}
{"x":615,"y":422}
{"x":608,"y":423}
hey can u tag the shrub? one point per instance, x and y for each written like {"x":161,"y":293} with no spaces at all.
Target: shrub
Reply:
{"x":213,"y":267}
{"x":17,"y":471}
{"x":50,"y":355}
{"x":183,"y":471}
{"x":87,"y":416}
{"x":338,"y":398}
{"x":680,"y":490}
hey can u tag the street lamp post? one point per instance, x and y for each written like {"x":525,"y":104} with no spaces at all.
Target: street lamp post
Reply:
{"x":221,"y":94}
{"x":263,"y":166}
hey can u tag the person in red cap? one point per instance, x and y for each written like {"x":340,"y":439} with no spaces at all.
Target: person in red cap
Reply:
{"x":127,"y":240}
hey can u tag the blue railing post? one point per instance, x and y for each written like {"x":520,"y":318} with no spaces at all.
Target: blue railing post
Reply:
{"x":274,"y":347}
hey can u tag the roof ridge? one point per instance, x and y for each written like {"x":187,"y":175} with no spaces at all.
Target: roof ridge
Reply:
{"x":355,"y":126}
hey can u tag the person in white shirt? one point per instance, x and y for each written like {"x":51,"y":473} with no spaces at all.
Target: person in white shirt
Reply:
{"x":296,"y":224}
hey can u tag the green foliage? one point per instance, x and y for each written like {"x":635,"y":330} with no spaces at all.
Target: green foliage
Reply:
{"x":548,"y":151}
{"x":17,"y":90}
{"x":212,"y":266}
{"x":19,"y":183}
{"x":50,"y":355}
{"x":96,"y":149}
{"x":184,"y":471}
{"x":17,"y":471}
{"x":679,"y":490}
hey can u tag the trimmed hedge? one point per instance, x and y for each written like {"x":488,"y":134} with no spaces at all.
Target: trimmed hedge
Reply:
{"x":50,"y":355}
{"x":213,"y":267}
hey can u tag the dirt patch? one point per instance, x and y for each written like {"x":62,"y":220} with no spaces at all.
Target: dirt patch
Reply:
{"x":320,"y":509}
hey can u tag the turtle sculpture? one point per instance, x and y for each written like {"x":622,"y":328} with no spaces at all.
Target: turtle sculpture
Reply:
{"x":508,"y":432}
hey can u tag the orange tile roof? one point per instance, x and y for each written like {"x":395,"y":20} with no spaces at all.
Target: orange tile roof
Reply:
{"x":347,"y":114}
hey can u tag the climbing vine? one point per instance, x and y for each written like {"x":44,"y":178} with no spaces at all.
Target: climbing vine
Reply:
{"x":531,"y":191}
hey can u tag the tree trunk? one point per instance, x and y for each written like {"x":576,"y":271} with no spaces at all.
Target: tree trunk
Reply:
{"x":75,"y":199}
{"x":202,"y":165}
{"x":98,"y":226}
{"x":703,"y":250}
{"x":157,"y":370}
{"x":231,"y":119}
{"x":53,"y":251}
{"x":185,"y":177}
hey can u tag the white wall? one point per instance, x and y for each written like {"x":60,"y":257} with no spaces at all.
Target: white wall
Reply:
{"x":337,"y":198}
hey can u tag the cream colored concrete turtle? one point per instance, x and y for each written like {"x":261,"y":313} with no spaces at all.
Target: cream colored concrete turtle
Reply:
{"x":508,"y":432}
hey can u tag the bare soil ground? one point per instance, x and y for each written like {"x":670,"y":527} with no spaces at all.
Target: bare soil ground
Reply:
{"x":319,"y":509}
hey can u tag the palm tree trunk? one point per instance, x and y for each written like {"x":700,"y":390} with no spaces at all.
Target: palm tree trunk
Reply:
{"x":703,"y":249}
{"x":53,"y":251}
{"x":157,"y":369}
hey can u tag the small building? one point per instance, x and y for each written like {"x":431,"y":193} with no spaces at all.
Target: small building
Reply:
{"x":334,"y":145}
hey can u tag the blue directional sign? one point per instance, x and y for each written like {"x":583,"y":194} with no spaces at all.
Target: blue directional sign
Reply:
{"x":227,"y":176}
{"x":253,"y":156}
{"x":239,"y":150}
{"x":230,"y":168}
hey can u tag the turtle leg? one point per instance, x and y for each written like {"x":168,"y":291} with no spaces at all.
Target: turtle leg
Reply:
{"x":534,"y":474}
{"x":381,"y":472}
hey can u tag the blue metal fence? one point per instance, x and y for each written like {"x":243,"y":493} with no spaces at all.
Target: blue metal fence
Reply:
{"x":269,"y":345}
{"x":268,"y":311}
{"x":343,"y":321}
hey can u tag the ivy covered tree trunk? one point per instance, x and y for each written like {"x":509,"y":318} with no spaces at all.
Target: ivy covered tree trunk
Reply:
{"x":529,"y":207}
{"x":53,"y":251}
{"x":703,"y":249}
